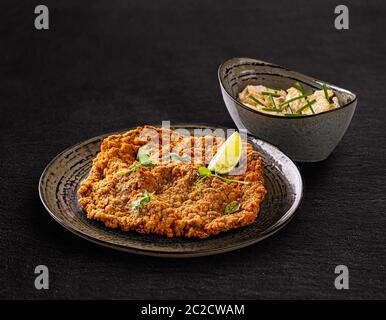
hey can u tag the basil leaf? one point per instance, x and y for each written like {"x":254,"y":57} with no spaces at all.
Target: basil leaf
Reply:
{"x":232,"y":207}
{"x":143,"y":157}
{"x":147,"y":163}
{"x":132,"y":169}
{"x":203,"y":171}
{"x":137,"y":204}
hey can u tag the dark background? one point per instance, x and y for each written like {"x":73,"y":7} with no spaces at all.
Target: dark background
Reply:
{"x":109,"y":65}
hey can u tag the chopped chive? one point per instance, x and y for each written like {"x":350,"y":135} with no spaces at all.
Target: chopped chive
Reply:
{"x":325,"y":92}
{"x":270,"y":93}
{"x":307,"y":105}
{"x":272,"y":109}
{"x":294,"y":99}
{"x":257,"y":101}
{"x":272,"y":101}
{"x":298,"y":86}
{"x":290,"y":109}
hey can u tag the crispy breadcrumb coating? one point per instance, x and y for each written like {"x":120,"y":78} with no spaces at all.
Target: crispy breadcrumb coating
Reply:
{"x":175,"y":205}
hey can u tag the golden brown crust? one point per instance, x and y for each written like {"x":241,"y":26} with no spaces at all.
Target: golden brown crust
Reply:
{"x":178,"y":206}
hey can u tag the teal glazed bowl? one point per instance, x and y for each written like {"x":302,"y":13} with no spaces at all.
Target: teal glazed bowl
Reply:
{"x":306,"y":139}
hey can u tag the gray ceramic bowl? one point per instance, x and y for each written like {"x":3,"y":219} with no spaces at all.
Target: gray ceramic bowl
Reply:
{"x":307,"y":139}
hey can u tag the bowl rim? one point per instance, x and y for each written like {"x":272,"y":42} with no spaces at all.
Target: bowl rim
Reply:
{"x":269,"y":64}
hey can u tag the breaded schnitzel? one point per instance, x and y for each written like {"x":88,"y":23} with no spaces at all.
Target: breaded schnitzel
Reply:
{"x":130,"y":188}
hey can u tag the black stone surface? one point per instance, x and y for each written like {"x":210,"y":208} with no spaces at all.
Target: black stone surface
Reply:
{"x":107,"y":65}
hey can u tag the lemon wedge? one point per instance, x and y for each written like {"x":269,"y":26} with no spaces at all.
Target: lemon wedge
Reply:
{"x":227,"y":156}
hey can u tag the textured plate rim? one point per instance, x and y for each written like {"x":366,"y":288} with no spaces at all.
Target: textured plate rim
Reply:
{"x":278,"y":225}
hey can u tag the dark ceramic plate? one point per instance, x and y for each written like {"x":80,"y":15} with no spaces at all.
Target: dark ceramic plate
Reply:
{"x":60,"y":180}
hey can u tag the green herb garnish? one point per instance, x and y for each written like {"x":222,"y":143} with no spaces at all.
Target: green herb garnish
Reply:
{"x":272,"y":109}
{"x":205,"y":172}
{"x":290,"y":109}
{"x":270,"y":94}
{"x":272,"y":101}
{"x":232,"y":207}
{"x":143,"y":157}
{"x":176,"y":157}
{"x":197,"y":184}
{"x":257,"y":101}
{"x":307,"y":105}
{"x":294,"y":99}
{"x":298,"y":86}
{"x":137,"y":204}
{"x":325,"y":92}
{"x":132,"y":169}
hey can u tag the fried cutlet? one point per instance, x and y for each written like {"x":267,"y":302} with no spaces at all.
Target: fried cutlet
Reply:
{"x":168,"y":198}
